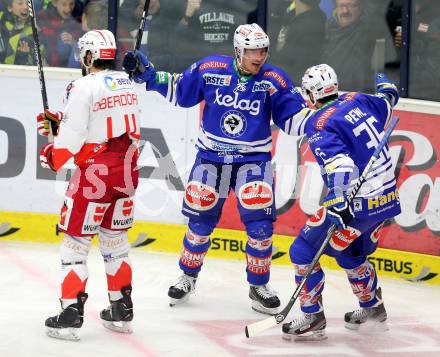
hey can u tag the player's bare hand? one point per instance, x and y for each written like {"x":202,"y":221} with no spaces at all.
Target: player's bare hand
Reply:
{"x":398,"y":37}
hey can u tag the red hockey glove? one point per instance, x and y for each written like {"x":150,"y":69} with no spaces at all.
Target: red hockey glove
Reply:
{"x":46,"y":156}
{"x":49,"y":118}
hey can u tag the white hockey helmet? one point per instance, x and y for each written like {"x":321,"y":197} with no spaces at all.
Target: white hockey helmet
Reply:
{"x":100,"y":43}
{"x":249,"y":36}
{"x":321,"y":81}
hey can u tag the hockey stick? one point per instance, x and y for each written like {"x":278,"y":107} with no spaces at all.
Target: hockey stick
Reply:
{"x":262,"y":325}
{"x":39,"y":62}
{"x":140,"y":32}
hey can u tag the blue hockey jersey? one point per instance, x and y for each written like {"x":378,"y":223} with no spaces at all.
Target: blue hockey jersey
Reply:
{"x":343,"y":136}
{"x":236,"y":117}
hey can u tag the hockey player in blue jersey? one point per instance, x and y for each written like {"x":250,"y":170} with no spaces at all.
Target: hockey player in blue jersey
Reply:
{"x":343,"y":134}
{"x":241,"y":94}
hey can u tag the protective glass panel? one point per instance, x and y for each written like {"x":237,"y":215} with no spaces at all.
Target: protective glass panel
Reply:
{"x":424,"y":73}
{"x":181,"y":32}
{"x":354,"y":37}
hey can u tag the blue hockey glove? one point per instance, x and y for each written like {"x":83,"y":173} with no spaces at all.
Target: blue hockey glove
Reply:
{"x":381,"y":78}
{"x":129,"y":63}
{"x":385,"y":86}
{"x":340,"y":214}
{"x":139,"y":66}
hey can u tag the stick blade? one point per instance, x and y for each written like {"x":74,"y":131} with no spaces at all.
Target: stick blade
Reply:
{"x":256,"y":328}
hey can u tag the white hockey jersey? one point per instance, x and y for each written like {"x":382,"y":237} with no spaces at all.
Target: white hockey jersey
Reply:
{"x":98,"y":107}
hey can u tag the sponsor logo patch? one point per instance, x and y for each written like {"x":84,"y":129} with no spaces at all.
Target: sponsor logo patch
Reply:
{"x":190,"y":259}
{"x":200,"y":197}
{"x":258,"y":265}
{"x":253,"y":107}
{"x":264,"y":86}
{"x":342,"y":238}
{"x":256,"y":195}
{"x":112,"y":83}
{"x":318,"y":218}
{"x":162,"y":77}
{"x":217,"y":79}
{"x":379,"y":201}
{"x":322,"y":119}
{"x":277,"y":77}
{"x":212,"y":64}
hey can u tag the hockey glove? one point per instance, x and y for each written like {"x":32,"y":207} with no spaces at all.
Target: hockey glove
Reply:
{"x":46,"y":156}
{"x":388,"y":88}
{"x":139,"y":66}
{"x":340,"y":214}
{"x":49,"y":118}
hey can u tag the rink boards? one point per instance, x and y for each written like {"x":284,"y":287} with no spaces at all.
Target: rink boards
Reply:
{"x":225,"y":243}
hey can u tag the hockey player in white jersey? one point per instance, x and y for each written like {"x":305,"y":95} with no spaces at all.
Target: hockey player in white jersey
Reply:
{"x":99,"y":129}
{"x":343,"y":134}
{"x":241,"y":93}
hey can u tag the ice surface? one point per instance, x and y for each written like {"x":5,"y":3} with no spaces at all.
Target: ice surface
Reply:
{"x":211,"y":323}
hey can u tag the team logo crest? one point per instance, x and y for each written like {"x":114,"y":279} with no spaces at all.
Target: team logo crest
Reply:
{"x":233,"y":124}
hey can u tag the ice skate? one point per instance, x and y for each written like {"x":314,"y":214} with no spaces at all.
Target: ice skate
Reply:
{"x":368,"y":316}
{"x":264,"y":299}
{"x":118,"y":316}
{"x":180,"y":291}
{"x":308,"y":327}
{"x":67,"y":323}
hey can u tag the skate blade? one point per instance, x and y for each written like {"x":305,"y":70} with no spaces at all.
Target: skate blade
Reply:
{"x":312,"y":336}
{"x":370,"y":327}
{"x":174,"y":302}
{"x":118,"y":326}
{"x":69,"y":334}
{"x":258,"y":307}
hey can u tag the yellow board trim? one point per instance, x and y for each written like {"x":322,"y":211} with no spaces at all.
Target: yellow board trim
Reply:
{"x":225,"y":243}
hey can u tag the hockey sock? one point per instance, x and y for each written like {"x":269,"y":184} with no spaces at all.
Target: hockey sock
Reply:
{"x":194,"y":249}
{"x":74,"y":252}
{"x":114,"y":248}
{"x":363,"y":281}
{"x":301,"y":255}
{"x":259,"y":258}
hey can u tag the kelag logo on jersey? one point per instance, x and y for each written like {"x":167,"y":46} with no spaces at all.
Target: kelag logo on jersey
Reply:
{"x":233,"y":124}
{"x":116,"y":83}
{"x":217,"y":79}
{"x":253,"y":107}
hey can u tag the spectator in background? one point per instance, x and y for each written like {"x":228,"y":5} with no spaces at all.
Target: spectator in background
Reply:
{"x":306,"y":27}
{"x":60,"y":30}
{"x":167,"y":29}
{"x":211,"y":28}
{"x":350,"y":43}
{"x":130,"y":14}
{"x":94,"y":16}
{"x":16,"y":40}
